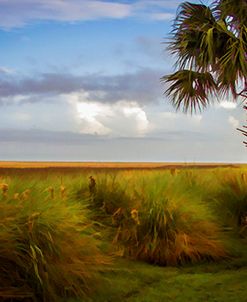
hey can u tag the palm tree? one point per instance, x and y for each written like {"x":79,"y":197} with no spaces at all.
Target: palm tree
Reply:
{"x":210,"y":43}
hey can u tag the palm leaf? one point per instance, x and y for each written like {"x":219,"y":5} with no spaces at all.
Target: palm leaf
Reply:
{"x":235,"y":11}
{"x":204,"y":43}
{"x":232,"y":66}
{"x":190,"y":90}
{"x":211,"y":48}
{"x":188,"y":35}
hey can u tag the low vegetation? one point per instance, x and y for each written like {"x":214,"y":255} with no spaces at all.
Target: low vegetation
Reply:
{"x":171,"y":226}
{"x":47,"y":247}
{"x":58,"y":231}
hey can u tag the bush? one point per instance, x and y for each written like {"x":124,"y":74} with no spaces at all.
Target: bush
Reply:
{"x":47,"y":248}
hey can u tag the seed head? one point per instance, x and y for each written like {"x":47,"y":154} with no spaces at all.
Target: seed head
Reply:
{"x":63,"y":191}
{"x":135,"y":216}
{"x":25,"y":195}
{"x":4,"y":187}
{"x":16,"y":196}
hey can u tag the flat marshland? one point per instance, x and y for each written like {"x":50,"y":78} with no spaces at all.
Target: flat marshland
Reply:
{"x":123,"y":232}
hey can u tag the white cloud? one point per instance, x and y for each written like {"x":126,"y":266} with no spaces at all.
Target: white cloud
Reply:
{"x":88,"y":113}
{"x":21,"y":116}
{"x":233,"y":121}
{"x":137,"y":113}
{"x":170,"y":121}
{"x":167,"y":115}
{"x":16,"y":13}
{"x":228,"y":105}
{"x":155,"y":10}
{"x":16,"y":99}
{"x":133,"y":132}
{"x":141,"y":4}
{"x":6,"y":70}
{"x":123,"y":118}
{"x":162,"y":16}
{"x":197,"y":118}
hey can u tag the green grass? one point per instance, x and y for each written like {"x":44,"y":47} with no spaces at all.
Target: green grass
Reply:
{"x":139,"y":282}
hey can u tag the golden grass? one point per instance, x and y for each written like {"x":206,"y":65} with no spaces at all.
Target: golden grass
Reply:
{"x":168,"y":225}
{"x":163,"y":215}
{"x":110,"y":165}
{"x":47,"y":247}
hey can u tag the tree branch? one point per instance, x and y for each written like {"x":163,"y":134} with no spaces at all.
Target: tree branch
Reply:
{"x":243,"y":93}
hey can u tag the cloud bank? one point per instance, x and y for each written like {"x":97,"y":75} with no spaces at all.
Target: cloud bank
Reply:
{"x":142,"y":86}
{"x":66,"y":146}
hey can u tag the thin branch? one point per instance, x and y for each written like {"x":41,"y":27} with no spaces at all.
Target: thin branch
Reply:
{"x":243,"y":93}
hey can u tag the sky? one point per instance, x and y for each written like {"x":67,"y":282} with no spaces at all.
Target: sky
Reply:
{"x":80,"y":81}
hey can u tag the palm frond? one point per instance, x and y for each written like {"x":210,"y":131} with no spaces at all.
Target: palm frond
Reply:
{"x":211,"y":48}
{"x":191,"y":23}
{"x":235,"y":11}
{"x":190,"y":90}
{"x":232,"y":66}
{"x":190,"y":14}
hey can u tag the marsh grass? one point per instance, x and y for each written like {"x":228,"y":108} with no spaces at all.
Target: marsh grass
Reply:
{"x":174,"y":226}
{"x":111,"y":193}
{"x":47,"y":249}
{"x":232,"y":200}
{"x":52,"y":227}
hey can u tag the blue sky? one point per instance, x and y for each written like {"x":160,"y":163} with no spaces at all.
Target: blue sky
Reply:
{"x":79,"y":80}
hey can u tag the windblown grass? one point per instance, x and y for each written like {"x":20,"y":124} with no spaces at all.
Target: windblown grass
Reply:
{"x":111,"y":193}
{"x":47,"y":248}
{"x":232,"y":200}
{"x":170,"y":226}
{"x":48,"y":244}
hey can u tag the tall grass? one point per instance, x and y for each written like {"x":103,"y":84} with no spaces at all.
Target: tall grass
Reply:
{"x":47,"y":248}
{"x":173,"y":227}
{"x":232,"y":200}
{"x":111,"y":193}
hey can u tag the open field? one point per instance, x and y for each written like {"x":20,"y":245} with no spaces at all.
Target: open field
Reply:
{"x":110,"y":165}
{"x":136,"y":232}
